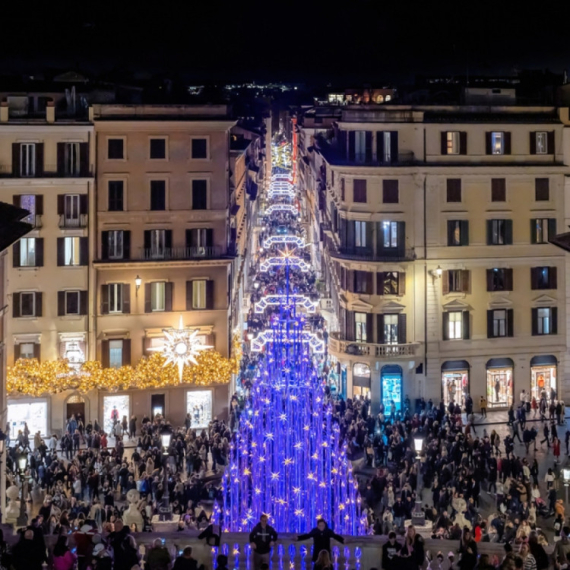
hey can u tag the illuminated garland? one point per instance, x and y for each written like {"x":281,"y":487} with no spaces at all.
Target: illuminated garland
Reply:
{"x":34,"y":378}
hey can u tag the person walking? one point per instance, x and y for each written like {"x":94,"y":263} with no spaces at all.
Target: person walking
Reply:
{"x":483,"y":406}
{"x":262,"y":538}
{"x":321,"y":536}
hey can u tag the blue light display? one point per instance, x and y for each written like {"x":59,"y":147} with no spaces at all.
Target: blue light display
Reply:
{"x":287,"y":459}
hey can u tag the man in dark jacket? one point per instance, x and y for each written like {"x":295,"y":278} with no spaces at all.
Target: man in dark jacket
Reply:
{"x":186,"y":562}
{"x":262,"y":538}
{"x":321,"y":538}
{"x":390,"y":552}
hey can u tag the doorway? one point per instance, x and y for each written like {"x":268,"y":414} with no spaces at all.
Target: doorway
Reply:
{"x":157,"y":405}
{"x":75,"y":406}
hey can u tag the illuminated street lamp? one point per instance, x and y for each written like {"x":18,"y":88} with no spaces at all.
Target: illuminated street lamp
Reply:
{"x":164,"y":510}
{"x":418,"y":444}
{"x":138,"y":283}
{"x":22,"y":461}
{"x":566,"y":477}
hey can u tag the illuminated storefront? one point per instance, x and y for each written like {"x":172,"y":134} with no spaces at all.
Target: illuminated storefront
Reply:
{"x":391,"y":382}
{"x":361,"y":380}
{"x":543,"y":376}
{"x":115,"y":407}
{"x":500,"y":383}
{"x":32,"y":413}
{"x":454,"y":381}
{"x":199,"y":406}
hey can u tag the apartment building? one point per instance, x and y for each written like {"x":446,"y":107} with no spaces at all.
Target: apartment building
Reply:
{"x":166,"y":237}
{"x":46,"y":168}
{"x":435,"y":223}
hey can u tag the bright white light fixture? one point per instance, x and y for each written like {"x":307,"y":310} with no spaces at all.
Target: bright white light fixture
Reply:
{"x":418,"y":443}
{"x":165,"y":437}
{"x":566,"y":473}
{"x":181,"y":346}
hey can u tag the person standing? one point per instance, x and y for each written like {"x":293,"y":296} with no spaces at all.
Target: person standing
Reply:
{"x":262,"y":538}
{"x":321,"y":536}
{"x":483,"y":406}
{"x":390,"y":551}
{"x":185,"y":561}
{"x":468,"y":551}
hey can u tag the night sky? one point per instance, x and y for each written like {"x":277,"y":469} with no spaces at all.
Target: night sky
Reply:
{"x":364,"y":40}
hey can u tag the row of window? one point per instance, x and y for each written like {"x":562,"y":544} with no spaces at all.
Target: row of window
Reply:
{"x":116,"y":244}
{"x":453,"y":280}
{"x":391,"y":328}
{"x":28,"y":159}
{"x":391,"y":193}
{"x":71,"y":252}
{"x":498,"y":279}
{"x":381,"y":147}
{"x":391,"y":235}
{"x":500,"y":232}
{"x":116,"y":298}
{"x":158,"y":295}
{"x":157,"y":148}
{"x":157,"y":195}
{"x":30,"y":303}
{"x":499,"y":190}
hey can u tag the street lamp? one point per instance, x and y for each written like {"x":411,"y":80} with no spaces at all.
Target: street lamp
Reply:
{"x":418,"y":516}
{"x":138,"y":283}
{"x":566,"y":476}
{"x":164,"y":510}
{"x":22,"y":461}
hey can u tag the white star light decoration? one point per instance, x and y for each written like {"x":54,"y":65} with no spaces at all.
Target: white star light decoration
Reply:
{"x":181,"y":346}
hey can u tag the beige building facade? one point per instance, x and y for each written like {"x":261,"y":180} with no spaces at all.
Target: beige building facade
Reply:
{"x":164,"y":245}
{"x":47,"y":168}
{"x":435,"y":224}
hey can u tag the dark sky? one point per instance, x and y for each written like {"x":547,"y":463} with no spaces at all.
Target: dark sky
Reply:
{"x":289,"y":39}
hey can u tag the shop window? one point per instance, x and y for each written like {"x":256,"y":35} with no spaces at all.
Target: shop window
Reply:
{"x":199,"y":406}
{"x":114,"y":409}
{"x":543,"y":381}
{"x":33,"y":414}
{"x":455,"y":386}
{"x":499,"y":387}
{"x":391,"y":384}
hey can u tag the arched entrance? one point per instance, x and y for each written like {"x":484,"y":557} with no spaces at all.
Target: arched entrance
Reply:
{"x":75,"y":406}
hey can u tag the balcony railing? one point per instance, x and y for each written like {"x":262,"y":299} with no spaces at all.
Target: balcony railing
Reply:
{"x":369,"y":349}
{"x":181,"y":253}
{"x":48,"y":171}
{"x":34,"y":220}
{"x":368,"y":254}
{"x":79,"y":222}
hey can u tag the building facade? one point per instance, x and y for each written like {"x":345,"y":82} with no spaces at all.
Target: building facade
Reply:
{"x":46,"y":166}
{"x":435,"y":224}
{"x":164,"y":245}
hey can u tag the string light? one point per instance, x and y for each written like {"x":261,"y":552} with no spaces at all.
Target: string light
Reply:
{"x":34,"y":378}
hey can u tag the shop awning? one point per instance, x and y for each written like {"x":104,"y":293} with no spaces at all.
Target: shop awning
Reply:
{"x":361,"y":381}
{"x":500,"y":363}
{"x":543,"y":360}
{"x":455,"y":365}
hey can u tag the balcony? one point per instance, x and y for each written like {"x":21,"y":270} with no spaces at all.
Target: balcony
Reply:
{"x":34,"y":220}
{"x":181,"y":253}
{"x":368,"y":254}
{"x":373,"y":350}
{"x":48,"y":171}
{"x":71,"y":223}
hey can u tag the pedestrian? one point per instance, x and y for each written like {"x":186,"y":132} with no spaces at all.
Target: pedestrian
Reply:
{"x":262,"y":538}
{"x":390,"y":551}
{"x":321,"y":536}
{"x":185,"y":560}
{"x":483,"y":406}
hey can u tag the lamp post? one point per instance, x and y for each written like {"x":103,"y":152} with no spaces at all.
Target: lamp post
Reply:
{"x":566,"y":476}
{"x":22,"y":520}
{"x":418,"y":516}
{"x":164,"y":510}
{"x":3,"y":437}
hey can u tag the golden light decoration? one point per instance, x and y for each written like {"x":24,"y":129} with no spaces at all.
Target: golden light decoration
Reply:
{"x":34,"y":378}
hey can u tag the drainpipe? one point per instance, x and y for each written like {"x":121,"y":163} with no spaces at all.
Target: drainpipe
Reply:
{"x":425,"y":268}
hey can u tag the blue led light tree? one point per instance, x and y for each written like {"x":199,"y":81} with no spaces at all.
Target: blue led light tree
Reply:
{"x":287,"y":459}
